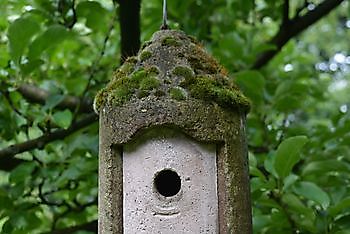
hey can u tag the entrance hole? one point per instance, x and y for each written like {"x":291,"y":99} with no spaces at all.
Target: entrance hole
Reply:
{"x":167,"y":182}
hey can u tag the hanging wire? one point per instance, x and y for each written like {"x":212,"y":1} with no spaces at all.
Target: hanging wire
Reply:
{"x":165,"y":16}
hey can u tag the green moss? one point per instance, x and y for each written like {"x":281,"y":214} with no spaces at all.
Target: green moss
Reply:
{"x":121,"y":95}
{"x":131,"y":59}
{"x":149,"y":83}
{"x":124,"y":86}
{"x":202,"y":62}
{"x":122,"y":89}
{"x":145,"y":55}
{"x":152,"y":70}
{"x":209,"y":89}
{"x":201,"y":65}
{"x":170,"y":41}
{"x":117,"y":92}
{"x":100,"y":100}
{"x":138,"y":75}
{"x":178,"y":93}
{"x":201,"y":77}
{"x":183,"y":71}
{"x":128,"y":66}
{"x":144,"y":72}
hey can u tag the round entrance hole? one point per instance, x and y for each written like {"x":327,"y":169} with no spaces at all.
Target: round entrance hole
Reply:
{"x":167,"y":182}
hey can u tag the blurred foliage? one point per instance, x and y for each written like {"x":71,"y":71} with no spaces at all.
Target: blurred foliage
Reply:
{"x":298,"y":129}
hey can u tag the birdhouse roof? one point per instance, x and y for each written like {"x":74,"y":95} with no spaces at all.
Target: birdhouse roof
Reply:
{"x":173,"y":66}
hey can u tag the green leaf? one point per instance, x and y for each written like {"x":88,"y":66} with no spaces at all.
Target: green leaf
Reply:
{"x":312,"y":192}
{"x":22,"y":171}
{"x":343,"y":223}
{"x":34,"y":132}
{"x":343,"y":232}
{"x":93,"y":12}
{"x":279,"y":221}
{"x":324,"y":167}
{"x":295,"y":204}
{"x":269,"y":165}
{"x":21,"y":221}
{"x":252,"y":84}
{"x":260,"y":221}
{"x":287,"y":155}
{"x":5,"y":202}
{"x":289,"y":181}
{"x":82,"y":143}
{"x":30,"y":66}
{"x":253,"y":171}
{"x":53,"y":100}
{"x":75,"y":86}
{"x":263,"y":184}
{"x":339,"y":207}
{"x":287,"y":95}
{"x":63,"y":118}
{"x":20,"y":33}
{"x":53,"y":36}
{"x":71,"y":173}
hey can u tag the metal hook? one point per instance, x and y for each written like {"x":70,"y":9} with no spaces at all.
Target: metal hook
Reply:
{"x":165,"y":16}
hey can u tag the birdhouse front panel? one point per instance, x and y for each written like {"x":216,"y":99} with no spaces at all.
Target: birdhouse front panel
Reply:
{"x":169,"y":185}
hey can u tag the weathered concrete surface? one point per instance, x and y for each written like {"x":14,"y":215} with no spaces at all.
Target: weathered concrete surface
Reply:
{"x":110,"y":198}
{"x":204,"y":122}
{"x":194,"y":209}
{"x":184,"y":91}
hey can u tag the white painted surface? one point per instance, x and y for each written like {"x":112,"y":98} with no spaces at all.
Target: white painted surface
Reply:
{"x":194,"y":209}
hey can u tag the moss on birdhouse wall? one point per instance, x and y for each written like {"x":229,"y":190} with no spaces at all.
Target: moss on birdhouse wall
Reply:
{"x":175,"y":66}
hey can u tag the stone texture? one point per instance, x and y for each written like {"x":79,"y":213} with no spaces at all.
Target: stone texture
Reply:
{"x":193,"y":209}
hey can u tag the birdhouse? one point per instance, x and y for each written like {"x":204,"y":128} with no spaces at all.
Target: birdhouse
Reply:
{"x":173,"y":155}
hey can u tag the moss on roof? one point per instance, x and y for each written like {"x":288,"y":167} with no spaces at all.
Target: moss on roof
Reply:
{"x":175,"y":66}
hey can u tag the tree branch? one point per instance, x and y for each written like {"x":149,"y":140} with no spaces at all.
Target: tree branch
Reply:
{"x":38,"y":95}
{"x":295,"y":26}
{"x":40,"y":142}
{"x":129,"y":20}
{"x":9,"y":163}
{"x":285,"y":15}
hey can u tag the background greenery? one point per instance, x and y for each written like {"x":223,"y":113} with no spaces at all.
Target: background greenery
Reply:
{"x":56,"y":54}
